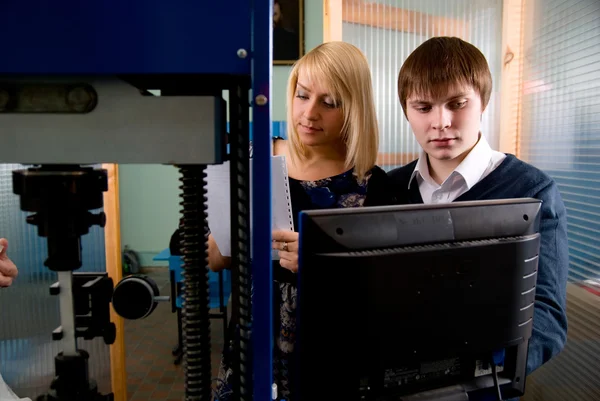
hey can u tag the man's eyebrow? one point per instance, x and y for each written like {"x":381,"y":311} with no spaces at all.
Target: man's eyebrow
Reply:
{"x":453,"y":97}
{"x":458,"y":95}
{"x":418,"y":101}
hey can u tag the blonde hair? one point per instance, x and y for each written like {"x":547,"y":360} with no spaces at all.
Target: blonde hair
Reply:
{"x":343,"y":70}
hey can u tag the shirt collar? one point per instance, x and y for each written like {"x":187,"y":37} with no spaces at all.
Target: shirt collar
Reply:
{"x":476,"y":162}
{"x":471,"y":168}
{"x":421,"y":169}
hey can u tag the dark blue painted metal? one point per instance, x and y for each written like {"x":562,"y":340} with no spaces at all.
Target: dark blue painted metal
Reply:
{"x":262,"y":71}
{"x":124,"y":37}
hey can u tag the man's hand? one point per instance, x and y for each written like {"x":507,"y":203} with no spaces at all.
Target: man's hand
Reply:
{"x":287,"y":244}
{"x":8,"y":270}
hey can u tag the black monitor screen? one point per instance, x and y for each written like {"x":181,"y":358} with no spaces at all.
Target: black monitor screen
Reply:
{"x":399,"y":300}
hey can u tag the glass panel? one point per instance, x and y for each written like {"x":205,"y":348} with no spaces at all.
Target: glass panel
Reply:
{"x":28,"y":314}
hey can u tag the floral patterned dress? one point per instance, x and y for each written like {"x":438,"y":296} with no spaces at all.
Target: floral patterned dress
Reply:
{"x":340,"y":191}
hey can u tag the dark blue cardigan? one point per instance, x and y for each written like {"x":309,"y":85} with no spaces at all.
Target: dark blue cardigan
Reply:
{"x":517,"y":179}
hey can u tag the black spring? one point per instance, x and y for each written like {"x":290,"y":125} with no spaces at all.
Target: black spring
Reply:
{"x":245,"y":285}
{"x":240,"y":207}
{"x":196,"y":319}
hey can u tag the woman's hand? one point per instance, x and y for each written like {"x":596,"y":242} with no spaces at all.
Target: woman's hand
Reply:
{"x":287,"y":244}
{"x":8,"y":270}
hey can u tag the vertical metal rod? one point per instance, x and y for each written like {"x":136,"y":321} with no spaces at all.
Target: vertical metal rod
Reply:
{"x":196,"y":313}
{"x":240,"y":208}
{"x":262,"y":279}
{"x":67,"y":313}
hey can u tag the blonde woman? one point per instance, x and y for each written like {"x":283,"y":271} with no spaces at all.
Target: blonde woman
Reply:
{"x":331,"y":152}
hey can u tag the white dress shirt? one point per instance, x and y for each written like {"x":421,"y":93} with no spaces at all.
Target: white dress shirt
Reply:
{"x":480,"y":161}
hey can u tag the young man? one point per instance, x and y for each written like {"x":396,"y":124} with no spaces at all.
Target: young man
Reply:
{"x":444,"y":86}
{"x":8,"y":270}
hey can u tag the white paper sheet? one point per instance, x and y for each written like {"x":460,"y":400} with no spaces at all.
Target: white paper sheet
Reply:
{"x":219,"y":202}
{"x":6,"y":394}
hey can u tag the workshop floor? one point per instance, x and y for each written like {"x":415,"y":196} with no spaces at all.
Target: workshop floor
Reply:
{"x":151,"y":373}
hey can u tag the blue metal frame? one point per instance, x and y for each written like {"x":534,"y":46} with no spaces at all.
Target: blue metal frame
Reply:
{"x":262,"y":72}
{"x":124,"y":37}
{"x":111,"y":37}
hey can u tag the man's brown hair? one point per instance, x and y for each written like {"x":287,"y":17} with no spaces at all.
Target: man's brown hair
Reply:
{"x":441,"y":64}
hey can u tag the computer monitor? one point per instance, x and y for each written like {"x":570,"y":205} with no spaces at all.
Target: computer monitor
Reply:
{"x":417,"y":301}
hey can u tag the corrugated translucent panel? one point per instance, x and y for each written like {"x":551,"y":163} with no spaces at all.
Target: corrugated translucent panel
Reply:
{"x":561,"y":135}
{"x":573,"y":375}
{"x":28,"y":314}
{"x":561,"y":117}
{"x":388,"y":31}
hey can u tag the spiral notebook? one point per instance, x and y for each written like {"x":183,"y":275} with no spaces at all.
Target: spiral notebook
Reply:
{"x":219,"y":201}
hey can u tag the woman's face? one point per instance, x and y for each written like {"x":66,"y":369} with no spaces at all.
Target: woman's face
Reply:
{"x":316,"y":116}
{"x":276,"y":14}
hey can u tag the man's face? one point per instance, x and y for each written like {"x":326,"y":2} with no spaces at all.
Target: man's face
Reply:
{"x":276,"y":14}
{"x":446,"y":128}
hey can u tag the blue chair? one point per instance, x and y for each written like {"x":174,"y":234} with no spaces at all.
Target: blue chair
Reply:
{"x":219,"y":290}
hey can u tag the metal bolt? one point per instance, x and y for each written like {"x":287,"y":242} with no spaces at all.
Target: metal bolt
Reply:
{"x":242,"y":53}
{"x":81,"y":99}
{"x":261,"y":100}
